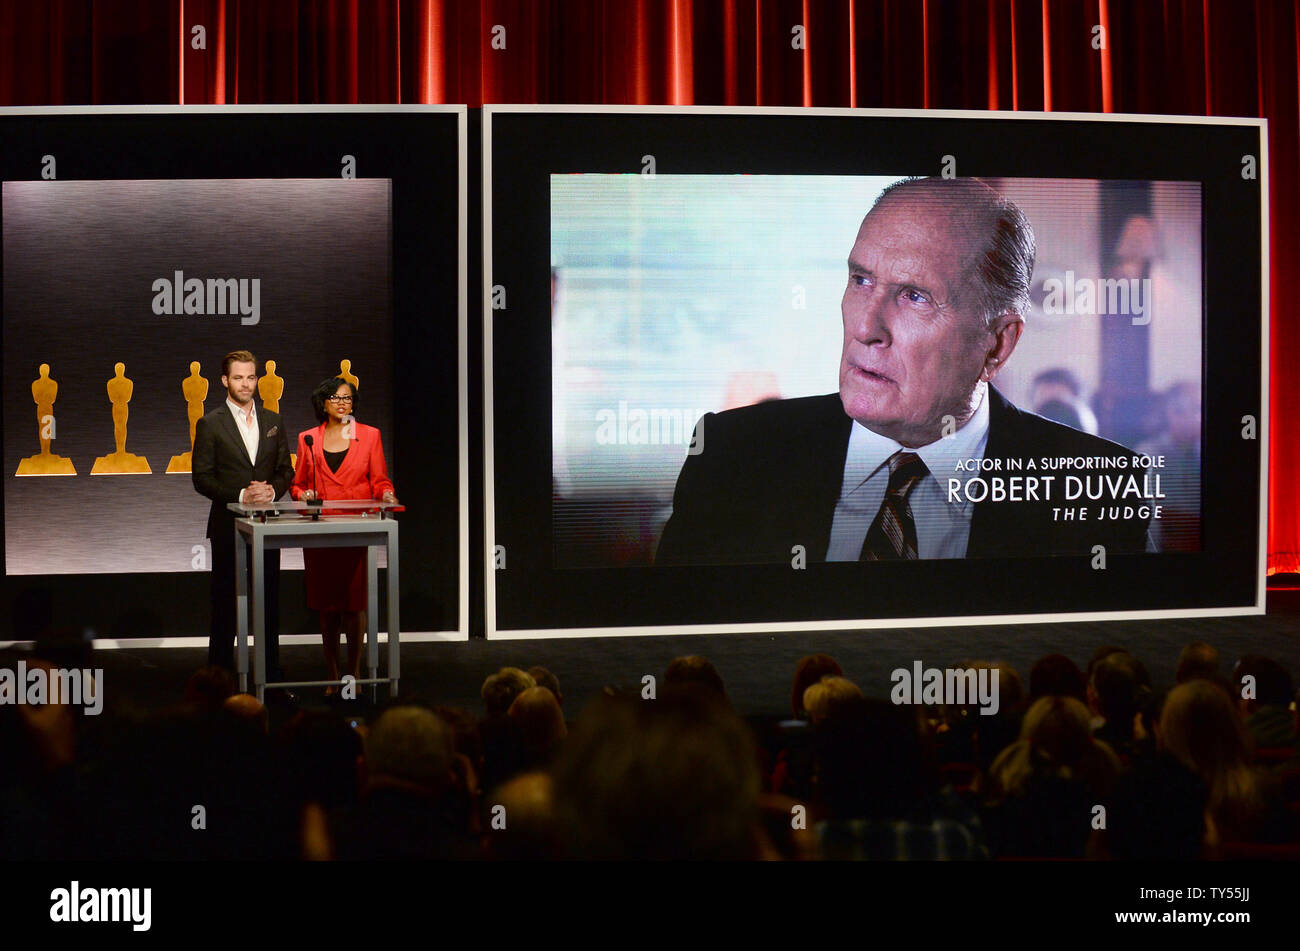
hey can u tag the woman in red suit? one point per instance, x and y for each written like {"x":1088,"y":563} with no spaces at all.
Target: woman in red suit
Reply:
{"x":345,"y":461}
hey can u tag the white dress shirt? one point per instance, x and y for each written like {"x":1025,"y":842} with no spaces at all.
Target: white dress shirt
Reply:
{"x":942,"y":528}
{"x":246,"y":423}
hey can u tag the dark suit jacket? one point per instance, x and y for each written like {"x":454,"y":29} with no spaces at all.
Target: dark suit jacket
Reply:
{"x":769,"y":476}
{"x":220,"y":465}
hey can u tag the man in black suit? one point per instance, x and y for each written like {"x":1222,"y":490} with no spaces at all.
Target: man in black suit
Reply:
{"x":241,"y":454}
{"x":918,"y":455}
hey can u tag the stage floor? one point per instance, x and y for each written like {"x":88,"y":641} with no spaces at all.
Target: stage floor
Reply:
{"x":756,"y":668}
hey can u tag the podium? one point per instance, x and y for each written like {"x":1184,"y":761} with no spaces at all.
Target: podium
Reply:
{"x":335,"y":524}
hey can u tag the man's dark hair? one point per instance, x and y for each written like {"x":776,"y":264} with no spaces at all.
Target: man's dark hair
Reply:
{"x":1115,"y":680}
{"x":1059,"y":376}
{"x":325,"y":390}
{"x":694,"y":670}
{"x":1100,"y":654}
{"x":209,"y":687}
{"x":236,"y":356}
{"x":1059,"y":411}
{"x":1198,"y":660}
{"x":1005,"y":268}
{"x":676,"y":778}
{"x":1273,"y":685}
{"x":539,"y":727}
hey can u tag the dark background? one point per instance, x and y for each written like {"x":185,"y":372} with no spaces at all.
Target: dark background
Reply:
{"x":417,"y":351}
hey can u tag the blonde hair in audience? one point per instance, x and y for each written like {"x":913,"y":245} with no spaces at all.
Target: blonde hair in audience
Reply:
{"x":822,"y":697}
{"x":1057,"y":735}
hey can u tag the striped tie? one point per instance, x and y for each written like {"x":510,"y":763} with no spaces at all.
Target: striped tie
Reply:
{"x":893,"y":534}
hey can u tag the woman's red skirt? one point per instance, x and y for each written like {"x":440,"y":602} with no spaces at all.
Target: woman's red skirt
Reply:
{"x":336,"y":578}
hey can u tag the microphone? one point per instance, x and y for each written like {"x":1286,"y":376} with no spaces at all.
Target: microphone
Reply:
{"x":311,"y":453}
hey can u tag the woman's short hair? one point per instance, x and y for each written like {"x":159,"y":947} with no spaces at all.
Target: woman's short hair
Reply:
{"x":327,"y":389}
{"x":828,"y":695}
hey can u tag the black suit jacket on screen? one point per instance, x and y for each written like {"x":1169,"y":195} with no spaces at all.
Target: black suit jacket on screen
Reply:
{"x":220,"y":466}
{"x":769,"y":476}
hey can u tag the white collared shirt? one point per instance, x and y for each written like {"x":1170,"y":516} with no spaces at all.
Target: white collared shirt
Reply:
{"x":246,"y":421}
{"x":942,"y":528}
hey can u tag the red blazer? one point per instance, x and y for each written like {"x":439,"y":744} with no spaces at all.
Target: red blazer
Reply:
{"x":363,"y":474}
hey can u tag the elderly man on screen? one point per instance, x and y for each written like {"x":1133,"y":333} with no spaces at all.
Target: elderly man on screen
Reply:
{"x":938,"y":285}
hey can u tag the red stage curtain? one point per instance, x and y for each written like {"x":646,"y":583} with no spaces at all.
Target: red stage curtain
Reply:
{"x":1160,"y":56}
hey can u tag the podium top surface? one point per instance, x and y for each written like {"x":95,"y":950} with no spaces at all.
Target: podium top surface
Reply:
{"x":329,"y":506}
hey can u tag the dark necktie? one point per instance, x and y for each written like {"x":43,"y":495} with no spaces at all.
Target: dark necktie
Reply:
{"x":893,"y":534}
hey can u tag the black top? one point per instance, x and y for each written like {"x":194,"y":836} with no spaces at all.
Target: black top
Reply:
{"x":335,"y":459}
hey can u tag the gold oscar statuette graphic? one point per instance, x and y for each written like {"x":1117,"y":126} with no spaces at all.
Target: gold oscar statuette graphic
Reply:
{"x":195,"y":389}
{"x":270,"y":388}
{"x":345,"y":371}
{"x":120,"y":462}
{"x":45,"y":463}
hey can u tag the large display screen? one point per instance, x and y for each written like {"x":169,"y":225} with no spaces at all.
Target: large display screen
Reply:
{"x":685,"y":295}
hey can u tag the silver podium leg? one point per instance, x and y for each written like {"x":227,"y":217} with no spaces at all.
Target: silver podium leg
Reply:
{"x":394,"y":619}
{"x":372,"y":617}
{"x":241,"y":610}
{"x":259,"y":619}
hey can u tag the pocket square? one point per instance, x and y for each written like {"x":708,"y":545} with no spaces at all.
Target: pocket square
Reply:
{"x":272,"y":431}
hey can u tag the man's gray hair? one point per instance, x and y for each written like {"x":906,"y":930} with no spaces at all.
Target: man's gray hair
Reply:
{"x":411,"y":744}
{"x":1005,"y":269}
